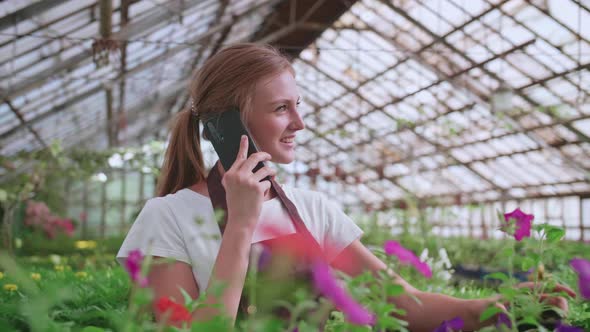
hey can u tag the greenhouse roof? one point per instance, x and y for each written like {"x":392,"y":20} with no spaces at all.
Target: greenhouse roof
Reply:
{"x":450,"y":101}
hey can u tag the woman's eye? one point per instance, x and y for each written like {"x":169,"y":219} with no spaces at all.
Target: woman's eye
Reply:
{"x":282,"y":108}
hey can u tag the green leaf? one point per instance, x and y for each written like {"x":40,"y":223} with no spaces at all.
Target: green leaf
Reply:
{"x":555,"y":234}
{"x":527,"y":263}
{"x":528,"y":320}
{"x":501,"y":218}
{"x":497,"y":275}
{"x":507,"y":252}
{"x":187,"y":298}
{"x":394,"y":290}
{"x":92,"y":329}
{"x":143,"y":296}
{"x":489,"y":313}
{"x":535,"y":257}
{"x":508,"y":292}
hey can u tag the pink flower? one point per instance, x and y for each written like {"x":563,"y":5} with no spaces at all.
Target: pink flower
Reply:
{"x":405,"y":256}
{"x":327,"y":285}
{"x":582,"y":268}
{"x":523,"y":223}
{"x":37,"y":213}
{"x":133,"y":267}
{"x":67,"y":227}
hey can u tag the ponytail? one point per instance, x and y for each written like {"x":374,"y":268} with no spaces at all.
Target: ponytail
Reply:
{"x":183,"y":163}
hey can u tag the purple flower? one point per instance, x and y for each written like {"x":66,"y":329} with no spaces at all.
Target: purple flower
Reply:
{"x":566,"y":328}
{"x":133,"y":267}
{"x":523,"y":223}
{"x":582,"y":268}
{"x":503,"y":319}
{"x":327,"y":285}
{"x":454,"y":324}
{"x":405,"y":256}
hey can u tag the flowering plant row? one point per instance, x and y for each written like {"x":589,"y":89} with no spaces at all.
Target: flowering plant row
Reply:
{"x":69,"y":295}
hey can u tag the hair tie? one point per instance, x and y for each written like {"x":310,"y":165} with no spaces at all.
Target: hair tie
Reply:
{"x":194,"y":109}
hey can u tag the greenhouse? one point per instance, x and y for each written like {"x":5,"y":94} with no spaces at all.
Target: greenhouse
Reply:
{"x":425,"y":165}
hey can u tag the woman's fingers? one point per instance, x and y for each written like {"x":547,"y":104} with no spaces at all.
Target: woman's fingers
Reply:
{"x":558,"y":288}
{"x":264,"y":172}
{"x":242,"y":153}
{"x":565,"y":289}
{"x":265,"y":186}
{"x":253,"y":160}
{"x":556,"y":301}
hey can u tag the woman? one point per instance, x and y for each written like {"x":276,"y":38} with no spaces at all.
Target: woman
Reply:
{"x":261,"y":83}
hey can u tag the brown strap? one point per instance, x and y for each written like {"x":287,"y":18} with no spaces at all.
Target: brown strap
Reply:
{"x":217,"y":195}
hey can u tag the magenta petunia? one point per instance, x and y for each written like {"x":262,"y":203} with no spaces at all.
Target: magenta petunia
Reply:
{"x":582,"y":268}
{"x":523,"y":223}
{"x":503,"y":319}
{"x":566,"y":328}
{"x":455,"y":324}
{"x":405,"y":256}
{"x":133,"y":267}
{"x":328,"y":286}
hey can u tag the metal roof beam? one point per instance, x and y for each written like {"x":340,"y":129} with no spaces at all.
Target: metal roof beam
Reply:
{"x":28,"y":12}
{"x":213,"y":30}
{"x":533,"y":136}
{"x":156,"y":17}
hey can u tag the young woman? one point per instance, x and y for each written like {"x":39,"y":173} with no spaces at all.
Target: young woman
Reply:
{"x":181,"y":225}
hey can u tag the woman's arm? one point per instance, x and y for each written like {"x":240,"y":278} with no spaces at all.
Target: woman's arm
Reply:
{"x":230,"y":268}
{"x":433,"y":309}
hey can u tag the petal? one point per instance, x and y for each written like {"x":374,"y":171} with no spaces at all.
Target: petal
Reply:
{"x":581,"y":266}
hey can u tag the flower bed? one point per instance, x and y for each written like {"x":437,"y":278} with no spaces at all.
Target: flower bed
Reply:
{"x":90,"y":292}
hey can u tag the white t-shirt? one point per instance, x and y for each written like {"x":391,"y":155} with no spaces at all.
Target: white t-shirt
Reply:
{"x":182,"y":226}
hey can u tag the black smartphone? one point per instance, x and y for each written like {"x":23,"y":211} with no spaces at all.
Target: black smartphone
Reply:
{"x":225,"y":130}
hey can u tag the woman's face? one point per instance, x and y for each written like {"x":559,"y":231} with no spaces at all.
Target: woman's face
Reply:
{"x":274,"y":119}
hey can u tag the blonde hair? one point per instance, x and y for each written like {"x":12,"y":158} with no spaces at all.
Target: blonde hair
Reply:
{"x":227,"y":79}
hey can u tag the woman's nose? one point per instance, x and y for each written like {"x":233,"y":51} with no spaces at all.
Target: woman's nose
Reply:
{"x":296,"y":121}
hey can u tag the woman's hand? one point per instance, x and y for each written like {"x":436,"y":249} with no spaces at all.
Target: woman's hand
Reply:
{"x":244,"y":189}
{"x":551,"y":299}
{"x":557,"y":301}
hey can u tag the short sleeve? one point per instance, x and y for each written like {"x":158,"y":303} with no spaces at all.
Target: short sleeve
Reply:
{"x":340,"y":229}
{"x":155,"y":232}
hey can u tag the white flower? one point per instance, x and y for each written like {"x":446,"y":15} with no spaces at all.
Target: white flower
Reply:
{"x":100,"y":177}
{"x":424,"y":255}
{"x":444,"y":257}
{"x":115,"y":161}
{"x":128,"y":156}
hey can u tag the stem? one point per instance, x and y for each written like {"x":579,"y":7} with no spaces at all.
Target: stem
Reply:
{"x":536,"y":291}
{"x":132,"y":310}
{"x":510,"y":274}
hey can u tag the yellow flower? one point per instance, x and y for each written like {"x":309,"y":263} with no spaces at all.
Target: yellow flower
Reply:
{"x":36,"y":276}
{"x":10,"y":287}
{"x":59,"y":268}
{"x":82,"y":275}
{"x":1,"y":275}
{"x":85,"y":244}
